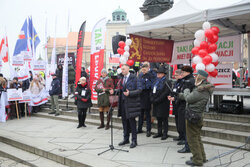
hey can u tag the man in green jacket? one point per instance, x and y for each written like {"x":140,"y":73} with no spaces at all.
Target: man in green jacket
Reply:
{"x":195,"y":107}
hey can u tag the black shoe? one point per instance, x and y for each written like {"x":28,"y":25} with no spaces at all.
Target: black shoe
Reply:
{"x":57,"y":114}
{"x":79,"y":126}
{"x":157,"y":136}
{"x":190,"y":163}
{"x":176,"y":138}
{"x":148,"y":134}
{"x":204,"y":161}
{"x":123,"y":143}
{"x":139,"y":131}
{"x":133,"y":144}
{"x":184,"y":150}
{"x":101,"y":126}
{"x":84,"y":125}
{"x":181,"y":142}
{"x":52,"y":112}
{"x":164,"y":137}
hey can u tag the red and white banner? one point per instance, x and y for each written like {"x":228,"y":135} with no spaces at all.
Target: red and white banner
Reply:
{"x":114,"y":58}
{"x":26,"y":97}
{"x":3,"y":104}
{"x":97,"y":54}
{"x":4,"y":50}
{"x":39,"y":65}
{"x":224,"y":77}
{"x":14,"y":94}
{"x":228,"y":50}
{"x":39,"y":99}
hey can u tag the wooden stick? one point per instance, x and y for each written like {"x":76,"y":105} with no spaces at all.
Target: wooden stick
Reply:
{"x":17,"y":113}
{"x":25,"y":109}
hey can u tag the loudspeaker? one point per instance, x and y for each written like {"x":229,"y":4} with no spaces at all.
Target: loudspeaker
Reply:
{"x":115,"y":40}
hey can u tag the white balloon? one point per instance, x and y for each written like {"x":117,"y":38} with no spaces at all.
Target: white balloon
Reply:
{"x":200,"y":66}
{"x":214,"y":56}
{"x":128,"y":42}
{"x":126,"y":48}
{"x":206,"y":25}
{"x":123,"y":60}
{"x":197,"y":42}
{"x":119,"y":71}
{"x":200,"y":35}
{"x":210,"y":67}
{"x":197,"y":59}
{"x":126,"y":54}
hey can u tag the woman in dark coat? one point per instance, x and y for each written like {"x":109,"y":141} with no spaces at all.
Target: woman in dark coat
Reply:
{"x":83,"y":100}
{"x":161,"y":103}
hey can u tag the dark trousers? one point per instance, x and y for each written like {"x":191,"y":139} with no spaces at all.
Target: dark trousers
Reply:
{"x":162,"y":124}
{"x":148,"y":119}
{"x":129,"y":125}
{"x":81,"y":115}
{"x":180,"y":123}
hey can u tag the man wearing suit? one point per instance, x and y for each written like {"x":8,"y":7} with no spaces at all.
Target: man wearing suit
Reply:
{"x":129,"y":89}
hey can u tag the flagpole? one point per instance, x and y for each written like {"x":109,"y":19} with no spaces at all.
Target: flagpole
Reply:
{"x":53,"y":55}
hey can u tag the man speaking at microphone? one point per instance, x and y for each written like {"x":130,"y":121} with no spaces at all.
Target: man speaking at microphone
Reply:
{"x":129,"y":89}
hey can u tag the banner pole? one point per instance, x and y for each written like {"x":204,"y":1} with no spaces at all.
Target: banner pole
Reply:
{"x":17,"y":113}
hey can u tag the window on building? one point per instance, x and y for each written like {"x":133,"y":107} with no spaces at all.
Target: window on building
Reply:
{"x":113,"y":18}
{"x":123,"y":18}
{"x":118,"y":18}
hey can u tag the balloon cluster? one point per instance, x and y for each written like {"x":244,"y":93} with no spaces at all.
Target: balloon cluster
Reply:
{"x":204,"y":49}
{"x":123,"y":50}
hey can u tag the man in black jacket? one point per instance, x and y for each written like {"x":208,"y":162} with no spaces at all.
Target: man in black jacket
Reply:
{"x":54,"y":93}
{"x":129,"y":89}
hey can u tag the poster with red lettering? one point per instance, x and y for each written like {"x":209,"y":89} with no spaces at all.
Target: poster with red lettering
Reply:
{"x":224,"y":77}
{"x":228,"y":50}
{"x":97,"y":54}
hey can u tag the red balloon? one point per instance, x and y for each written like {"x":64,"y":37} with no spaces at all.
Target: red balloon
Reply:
{"x":193,"y":66}
{"x":130,"y":62}
{"x":202,"y":53}
{"x":195,"y":50}
{"x":120,"y":65}
{"x":214,"y":39}
{"x":215,"y":30}
{"x":195,"y":72}
{"x":120,"y":51}
{"x":209,"y":33}
{"x":212,"y":48}
{"x":213,"y":73}
{"x":215,"y":63}
{"x":121,"y":44}
{"x":207,"y":60}
{"x":203,"y":45}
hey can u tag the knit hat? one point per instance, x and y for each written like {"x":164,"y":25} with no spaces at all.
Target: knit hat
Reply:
{"x":202,"y":73}
{"x":104,"y":71}
{"x":187,"y":69}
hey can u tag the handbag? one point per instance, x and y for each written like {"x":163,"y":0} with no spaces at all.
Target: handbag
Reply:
{"x":192,"y":116}
{"x":113,"y":100}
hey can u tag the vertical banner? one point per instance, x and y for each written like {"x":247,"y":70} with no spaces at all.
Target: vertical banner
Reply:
{"x":65,"y":67}
{"x":80,"y":42}
{"x":97,"y":54}
{"x":53,"y":56}
{"x":224,"y":77}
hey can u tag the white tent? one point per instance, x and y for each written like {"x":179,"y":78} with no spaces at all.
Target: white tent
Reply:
{"x":183,"y":20}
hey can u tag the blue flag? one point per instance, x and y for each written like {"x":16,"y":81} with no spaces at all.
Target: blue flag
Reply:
{"x":27,"y":34}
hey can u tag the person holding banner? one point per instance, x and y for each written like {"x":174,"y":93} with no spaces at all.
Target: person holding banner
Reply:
{"x":13,"y":106}
{"x":83,"y":100}
{"x":102,"y":87}
{"x":54,"y":93}
{"x":35,"y":89}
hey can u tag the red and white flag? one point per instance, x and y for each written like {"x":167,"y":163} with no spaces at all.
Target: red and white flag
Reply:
{"x":4,"y":49}
{"x":97,"y":54}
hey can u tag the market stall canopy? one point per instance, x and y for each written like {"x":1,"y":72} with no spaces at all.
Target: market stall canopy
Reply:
{"x":184,"y":19}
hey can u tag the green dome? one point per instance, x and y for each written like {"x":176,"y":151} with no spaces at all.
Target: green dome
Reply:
{"x":119,"y":15}
{"x":119,"y":10}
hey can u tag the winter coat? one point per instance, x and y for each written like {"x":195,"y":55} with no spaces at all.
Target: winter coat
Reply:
{"x":103,"y":97}
{"x":159,"y":98}
{"x":59,"y":73}
{"x":25,"y":85}
{"x":15,"y":85}
{"x":132,"y":101}
{"x":71,"y":74}
{"x":198,"y":98}
{"x":83,"y":92}
{"x":147,"y":81}
{"x":55,"y":87}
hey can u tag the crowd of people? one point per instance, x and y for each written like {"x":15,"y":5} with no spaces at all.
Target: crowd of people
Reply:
{"x":147,"y":93}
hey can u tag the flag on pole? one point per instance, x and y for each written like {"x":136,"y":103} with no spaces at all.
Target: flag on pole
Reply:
{"x":65,"y":67}
{"x":97,"y":54}
{"x":4,"y":50}
{"x":79,"y":52}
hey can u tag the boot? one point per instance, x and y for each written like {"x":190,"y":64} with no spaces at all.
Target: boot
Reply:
{"x":83,"y":119}
{"x":102,"y":120}
{"x":80,"y":121}
{"x":108,"y":120}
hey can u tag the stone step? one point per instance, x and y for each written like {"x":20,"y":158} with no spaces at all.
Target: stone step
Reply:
{"x":25,"y":157}
{"x":51,"y":152}
{"x":207,"y":115}
{"x":222,"y":134}
{"x":171,"y":133}
{"x":226,"y":125}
